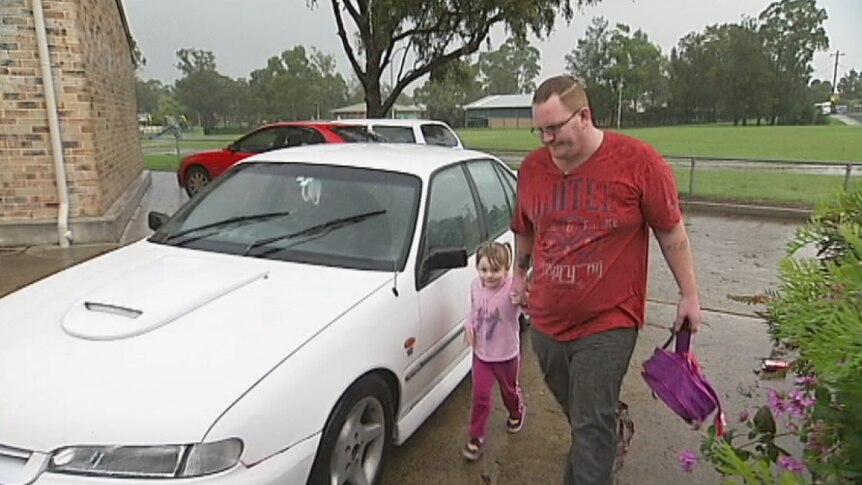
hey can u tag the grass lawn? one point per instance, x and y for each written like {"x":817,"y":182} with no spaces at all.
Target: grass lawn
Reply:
{"x":164,"y":163}
{"x":822,"y":143}
{"x":793,"y":189}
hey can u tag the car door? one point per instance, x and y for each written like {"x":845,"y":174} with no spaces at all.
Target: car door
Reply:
{"x":452,"y":219}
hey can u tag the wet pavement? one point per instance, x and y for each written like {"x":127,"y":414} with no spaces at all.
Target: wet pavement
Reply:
{"x":734,"y":256}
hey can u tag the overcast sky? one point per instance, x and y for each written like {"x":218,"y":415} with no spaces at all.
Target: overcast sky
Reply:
{"x":243,"y":34}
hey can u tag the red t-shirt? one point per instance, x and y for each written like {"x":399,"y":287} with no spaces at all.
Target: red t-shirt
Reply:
{"x":591,"y":230}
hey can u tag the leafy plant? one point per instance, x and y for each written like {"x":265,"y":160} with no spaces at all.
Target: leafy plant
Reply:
{"x":817,"y":313}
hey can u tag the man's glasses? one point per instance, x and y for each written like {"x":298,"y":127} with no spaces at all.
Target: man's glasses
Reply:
{"x":553,"y":130}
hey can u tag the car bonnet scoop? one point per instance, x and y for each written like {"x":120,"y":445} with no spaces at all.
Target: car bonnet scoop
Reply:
{"x":157,"y":294}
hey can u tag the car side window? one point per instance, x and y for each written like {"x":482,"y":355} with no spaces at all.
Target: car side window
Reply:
{"x":452,"y":216}
{"x":260,"y":141}
{"x":439,"y":135}
{"x":395,"y":134}
{"x":509,"y":183}
{"x":495,"y":204}
{"x":298,"y":136}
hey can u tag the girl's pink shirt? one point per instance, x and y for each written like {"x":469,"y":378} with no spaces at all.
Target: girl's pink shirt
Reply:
{"x":494,"y":318}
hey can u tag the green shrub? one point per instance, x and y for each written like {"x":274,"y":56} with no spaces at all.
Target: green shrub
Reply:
{"x":816,"y":313}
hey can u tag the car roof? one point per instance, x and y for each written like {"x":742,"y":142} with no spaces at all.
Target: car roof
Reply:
{"x":420,"y":160}
{"x":312,"y":123}
{"x":392,"y":122}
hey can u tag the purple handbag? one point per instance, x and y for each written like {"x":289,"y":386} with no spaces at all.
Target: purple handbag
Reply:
{"x":676,"y":378}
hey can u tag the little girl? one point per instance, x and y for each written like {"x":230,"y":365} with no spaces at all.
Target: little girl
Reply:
{"x":493,"y":332}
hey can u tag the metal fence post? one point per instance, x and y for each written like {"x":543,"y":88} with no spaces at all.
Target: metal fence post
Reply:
{"x":847,"y":172}
{"x":691,"y":178}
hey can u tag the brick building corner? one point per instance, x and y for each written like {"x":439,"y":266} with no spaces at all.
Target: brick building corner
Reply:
{"x":92,"y":62}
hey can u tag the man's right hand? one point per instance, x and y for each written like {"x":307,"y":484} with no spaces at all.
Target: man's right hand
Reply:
{"x":520,"y":290}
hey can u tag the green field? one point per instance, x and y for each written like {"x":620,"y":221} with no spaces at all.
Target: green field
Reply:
{"x":821,"y":143}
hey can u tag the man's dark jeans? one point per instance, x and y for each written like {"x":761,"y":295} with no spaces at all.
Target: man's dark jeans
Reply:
{"x":585,"y":376}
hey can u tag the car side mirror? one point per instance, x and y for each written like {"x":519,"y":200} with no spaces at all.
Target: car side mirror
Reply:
{"x":156,"y":220}
{"x":446,"y":257}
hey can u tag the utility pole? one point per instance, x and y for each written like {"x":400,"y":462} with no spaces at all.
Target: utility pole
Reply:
{"x":835,"y":73}
{"x":620,"y":102}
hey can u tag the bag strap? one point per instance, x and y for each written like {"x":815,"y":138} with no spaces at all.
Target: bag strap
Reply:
{"x":720,"y":422}
{"x":683,"y":338}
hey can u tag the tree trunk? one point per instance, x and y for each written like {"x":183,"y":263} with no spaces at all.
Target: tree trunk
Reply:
{"x":373,"y":98}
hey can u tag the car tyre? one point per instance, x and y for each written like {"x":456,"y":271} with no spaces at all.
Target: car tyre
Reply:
{"x":197,"y":178}
{"x":357,"y":439}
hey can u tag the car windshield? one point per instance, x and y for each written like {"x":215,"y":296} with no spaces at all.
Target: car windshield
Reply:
{"x":356,"y":134}
{"x":317,"y":214}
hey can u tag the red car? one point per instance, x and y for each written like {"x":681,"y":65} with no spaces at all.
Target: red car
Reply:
{"x":198,"y":169}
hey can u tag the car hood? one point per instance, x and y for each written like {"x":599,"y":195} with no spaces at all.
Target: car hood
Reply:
{"x":150,"y":344}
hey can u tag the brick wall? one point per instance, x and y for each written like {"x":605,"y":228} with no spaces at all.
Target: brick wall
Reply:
{"x":94,"y":83}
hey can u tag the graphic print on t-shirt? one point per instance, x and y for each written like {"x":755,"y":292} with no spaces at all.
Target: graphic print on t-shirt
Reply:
{"x":487,"y":321}
{"x":580,"y":211}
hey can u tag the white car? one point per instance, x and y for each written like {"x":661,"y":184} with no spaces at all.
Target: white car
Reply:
{"x":287,"y":325}
{"x":422,"y":132}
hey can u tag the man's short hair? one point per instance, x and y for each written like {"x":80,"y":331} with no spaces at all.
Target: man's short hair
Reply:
{"x":572,"y":93}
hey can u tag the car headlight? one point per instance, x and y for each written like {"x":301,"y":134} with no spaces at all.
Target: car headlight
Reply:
{"x":167,"y":461}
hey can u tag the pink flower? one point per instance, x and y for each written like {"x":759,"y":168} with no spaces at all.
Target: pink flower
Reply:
{"x":789,"y":464}
{"x":687,"y":460}
{"x":776,"y":402}
{"x":806,"y":381}
{"x":799,"y":403}
{"x":743,"y":416}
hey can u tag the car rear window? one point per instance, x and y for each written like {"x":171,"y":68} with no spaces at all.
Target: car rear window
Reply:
{"x":355,"y":134}
{"x":439,"y":136}
{"x":395,"y":134}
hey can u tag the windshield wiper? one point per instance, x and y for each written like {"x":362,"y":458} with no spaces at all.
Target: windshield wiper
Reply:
{"x":317,"y":230}
{"x":222,"y":223}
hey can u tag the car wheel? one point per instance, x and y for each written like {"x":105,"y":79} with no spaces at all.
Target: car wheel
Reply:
{"x":358,"y":436}
{"x":197,"y":178}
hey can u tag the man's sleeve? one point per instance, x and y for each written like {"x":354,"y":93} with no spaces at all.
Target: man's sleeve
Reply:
{"x":660,"y":197}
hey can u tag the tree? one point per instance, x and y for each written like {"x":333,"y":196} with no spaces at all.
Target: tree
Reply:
{"x":202,"y":89}
{"x":434,"y":32}
{"x":147,"y":94}
{"x":611,"y":60}
{"x":850,"y":86}
{"x":193,"y":60}
{"x":167,"y":106}
{"x":295,"y":86}
{"x":636,"y":67}
{"x":589,"y":63}
{"x":448,"y":89}
{"x":741,"y":73}
{"x":820,"y":91}
{"x":693,"y":97}
{"x":792,"y":32}
{"x":511,"y":69}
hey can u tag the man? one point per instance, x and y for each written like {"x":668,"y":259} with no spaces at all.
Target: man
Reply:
{"x":586,"y":203}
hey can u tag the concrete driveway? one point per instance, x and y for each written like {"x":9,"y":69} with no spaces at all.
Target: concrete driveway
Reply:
{"x":733,"y":257}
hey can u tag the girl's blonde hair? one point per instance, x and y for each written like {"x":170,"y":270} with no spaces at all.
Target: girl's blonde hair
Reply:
{"x":499,"y":254}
